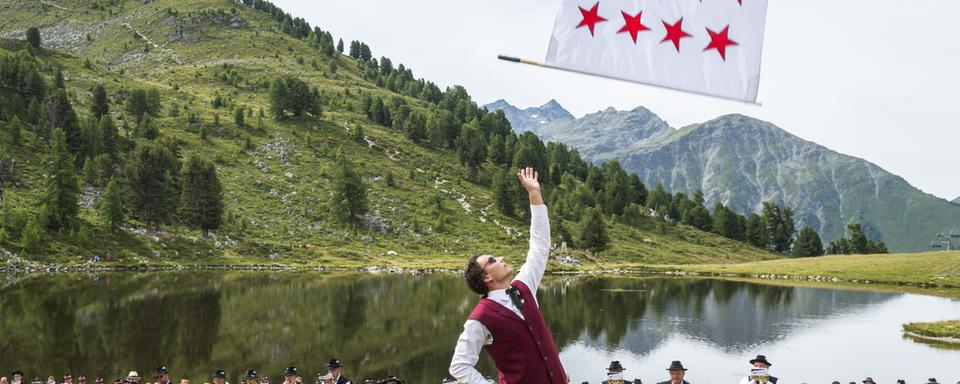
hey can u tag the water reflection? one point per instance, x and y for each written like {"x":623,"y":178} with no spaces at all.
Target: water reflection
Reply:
{"x":194,"y":321}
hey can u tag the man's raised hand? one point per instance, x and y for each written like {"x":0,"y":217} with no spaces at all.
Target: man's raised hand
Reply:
{"x":528,"y":178}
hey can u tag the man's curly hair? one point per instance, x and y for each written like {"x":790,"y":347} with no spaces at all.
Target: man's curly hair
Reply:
{"x":474,"y":275}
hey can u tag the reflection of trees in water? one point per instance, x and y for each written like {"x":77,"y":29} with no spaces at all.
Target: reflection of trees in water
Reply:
{"x":66,"y":323}
{"x":639,"y":314}
{"x":378,"y":325}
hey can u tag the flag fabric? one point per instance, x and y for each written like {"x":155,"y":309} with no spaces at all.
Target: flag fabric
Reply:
{"x":710,"y":47}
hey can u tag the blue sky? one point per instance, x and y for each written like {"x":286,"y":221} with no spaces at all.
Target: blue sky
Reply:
{"x":874,"y":79}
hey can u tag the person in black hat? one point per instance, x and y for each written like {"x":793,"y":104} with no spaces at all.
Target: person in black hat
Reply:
{"x":932,"y":380}
{"x":290,"y":375}
{"x":250,"y":377}
{"x":391,"y":380}
{"x":762,"y":367}
{"x":68,"y":379}
{"x":677,"y":372}
{"x":16,"y":377}
{"x":219,"y":377}
{"x":615,"y":373}
{"x":335,"y":369}
{"x":161,"y":375}
{"x":869,"y":380}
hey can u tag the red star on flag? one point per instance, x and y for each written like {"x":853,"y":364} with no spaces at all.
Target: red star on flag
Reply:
{"x":720,"y":41}
{"x":590,"y":18}
{"x":675,"y":33}
{"x":632,"y":25}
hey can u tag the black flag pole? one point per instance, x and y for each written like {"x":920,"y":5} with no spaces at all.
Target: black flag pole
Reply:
{"x":539,"y":64}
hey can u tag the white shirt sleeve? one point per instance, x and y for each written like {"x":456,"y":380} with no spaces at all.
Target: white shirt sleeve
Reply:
{"x":532,"y":270}
{"x":467,"y":353}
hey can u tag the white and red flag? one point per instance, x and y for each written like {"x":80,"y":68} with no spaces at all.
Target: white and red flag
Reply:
{"x":710,"y":47}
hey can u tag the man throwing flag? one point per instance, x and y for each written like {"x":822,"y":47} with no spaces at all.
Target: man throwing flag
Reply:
{"x":507,"y":319}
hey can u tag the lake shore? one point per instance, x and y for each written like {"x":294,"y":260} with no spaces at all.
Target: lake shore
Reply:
{"x":917,"y":272}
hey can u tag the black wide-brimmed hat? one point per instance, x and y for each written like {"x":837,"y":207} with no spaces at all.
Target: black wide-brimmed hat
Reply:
{"x":869,"y":380}
{"x":251,"y":374}
{"x":391,"y":379}
{"x":334,"y":363}
{"x":17,"y":372}
{"x":291,"y":371}
{"x":615,"y":366}
{"x":676,"y":365}
{"x":932,"y":380}
{"x":761,"y":359}
{"x":219,"y":374}
{"x":161,"y":370}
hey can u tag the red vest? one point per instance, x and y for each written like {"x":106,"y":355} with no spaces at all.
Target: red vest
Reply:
{"x":523,"y":349}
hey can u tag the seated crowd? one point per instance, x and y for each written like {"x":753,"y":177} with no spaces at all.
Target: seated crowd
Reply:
{"x":162,"y":376}
{"x":759,"y":374}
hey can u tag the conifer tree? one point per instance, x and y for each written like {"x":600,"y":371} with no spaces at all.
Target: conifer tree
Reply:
{"x":151,"y":183}
{"x":238,"y":117}
{"x":100,"y":106}
{"x":504,"y":192}
{"x":109,"y":137}
{"x":61,"y":187}
{"x":59,"y":113}
{"x":111,"y":208}
{"x":201,"y":196}
{"x":31,"y":237}
{"x":756,"y":231}
{"x":349,"y":201}
{"x":808,"y":243}
{"x":33,"y":37}
{"x":593,"y":232}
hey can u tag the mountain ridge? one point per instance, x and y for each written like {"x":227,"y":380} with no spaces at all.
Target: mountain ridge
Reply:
{"x":742,"y":161}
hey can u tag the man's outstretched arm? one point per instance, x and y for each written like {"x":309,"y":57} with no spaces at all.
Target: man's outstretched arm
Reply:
{"x":532,"y":270}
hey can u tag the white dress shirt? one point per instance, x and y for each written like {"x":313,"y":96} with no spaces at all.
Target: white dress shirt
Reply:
{"x":475,"y":335}
{"x":749,"y":380}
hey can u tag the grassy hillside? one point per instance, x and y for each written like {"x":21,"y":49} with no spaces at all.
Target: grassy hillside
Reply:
{"x":277,"y":189}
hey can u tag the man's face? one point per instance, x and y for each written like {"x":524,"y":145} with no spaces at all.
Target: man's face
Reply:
{"x":496,"y":269}
{"x":162,"y":377}
{"x":17,"y":377}
{"x":760,"y":365}
{"x":217,"y":380}
{"x":676,"y":375}
{"x":335,"y":371}
{"x":250,"y":381}
{"x":68,"y":380}
{"x":289,"y":378}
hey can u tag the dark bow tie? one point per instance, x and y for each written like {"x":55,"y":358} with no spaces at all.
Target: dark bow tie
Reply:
{"x":514,"y":294}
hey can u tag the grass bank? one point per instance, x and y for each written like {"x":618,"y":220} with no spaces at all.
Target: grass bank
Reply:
{"x":930,"y":269}
{"x":942,"y":331}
